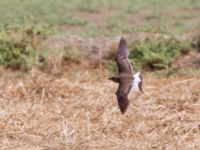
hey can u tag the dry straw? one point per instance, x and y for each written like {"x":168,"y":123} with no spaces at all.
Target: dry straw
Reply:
{"x":47,"y":112}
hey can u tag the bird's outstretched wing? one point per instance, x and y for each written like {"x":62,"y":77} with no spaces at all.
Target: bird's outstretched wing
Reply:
{"x":123,"y":102}
{"x":122,"y":58}
{"x":122,"y":93}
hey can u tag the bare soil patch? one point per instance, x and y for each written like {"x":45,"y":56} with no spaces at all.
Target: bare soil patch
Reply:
{"x":190,"y":61}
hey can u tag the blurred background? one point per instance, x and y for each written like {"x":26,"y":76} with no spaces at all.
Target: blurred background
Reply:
{"x":52,"y":34}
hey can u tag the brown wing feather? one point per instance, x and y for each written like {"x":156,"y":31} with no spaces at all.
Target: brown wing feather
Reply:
{"x":122,"y":93}
{"x":122,"y":58}
{"x":123,"y":102}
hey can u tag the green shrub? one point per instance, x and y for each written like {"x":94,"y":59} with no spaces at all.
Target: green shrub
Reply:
{"x":156,"y":54}
{"x":111,"y":66}
{"x":71,"y":54}
{"x":115,"y":25}
{"x":16,"y":55}
{"x":20,"y":46}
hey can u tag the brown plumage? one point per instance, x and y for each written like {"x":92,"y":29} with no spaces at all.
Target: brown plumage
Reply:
{"x":126,"y":78}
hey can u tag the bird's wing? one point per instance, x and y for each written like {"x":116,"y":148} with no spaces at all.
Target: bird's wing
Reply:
{"x":138,"y":82}
{"x":122,"y":58}
{"x":122,"y":93}
{"x":123,"y":102}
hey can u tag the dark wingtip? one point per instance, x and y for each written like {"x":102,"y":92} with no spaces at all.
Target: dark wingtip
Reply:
{"x":123,"y":103}
{"x":122,"y":41}
{"x":123,"y":111}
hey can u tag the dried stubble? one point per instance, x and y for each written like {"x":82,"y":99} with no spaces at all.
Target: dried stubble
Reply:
{"x":47,"y":112}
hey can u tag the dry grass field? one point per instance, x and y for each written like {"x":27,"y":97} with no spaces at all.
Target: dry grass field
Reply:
{"x":46,"y":112}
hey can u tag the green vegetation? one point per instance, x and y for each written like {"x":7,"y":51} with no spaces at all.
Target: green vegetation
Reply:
{"x":61,"y":12}
{"x":156,"y":54}
{"x":71,"y":54}
{"x":20,"y":46}
{"x":116,"y":24}
{"x":24,"y":25}
{"x":111,"y":66}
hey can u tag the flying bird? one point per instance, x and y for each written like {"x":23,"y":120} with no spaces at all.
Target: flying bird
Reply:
{"x":126,"y":78}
